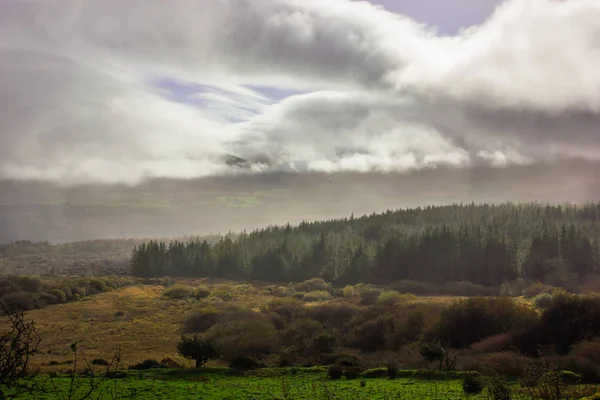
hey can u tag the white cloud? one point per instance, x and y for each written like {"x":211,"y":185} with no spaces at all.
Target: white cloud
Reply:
{"x":387,"y":94}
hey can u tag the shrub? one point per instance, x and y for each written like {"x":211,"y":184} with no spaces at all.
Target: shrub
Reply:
{"x":507,"y":364}
{"x":538,"y":288}
{"x":146,"y":364}
{"x":59,"y":295}
{"x":201,"y":292}
{"x":168,"y":362}
{"x":392,"y":370}
{"x":348,"y":291}
{"x":498,"y":389}
{"x":472,"y":384}
{"x":178,"y":292}
{"x":244,"y":363}
{"x":312,"y":285}
{"x":98,"y":285}
{"x":589,"y":350}
{"x":369,"y":296}
{"x":335,"y":372}
{"x":324,"y":343}
{"x":467,"y":321}
{"x":20,"y":301}
{"x":351,"y":373}
{"x":167,"y":281}
{"x":391,"y":298}
{"x":249,"y":333}
{"x":542,"y":300}
{"x":317,"y":295}
{"x":202,"y":320}
{"x":493,"y":344}
{"x":375,"y":373}
{"x":31,"y":284}
{"x":345,"y":360}
{"x":288,"y":309}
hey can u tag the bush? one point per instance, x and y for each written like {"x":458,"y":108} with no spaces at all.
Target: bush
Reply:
{"x":20,"y":301}
{"x":201,"y":292}
{"x":351,"y":373}
{"x":335,"y":372}
{"x":507,"y":364}
{"x":473,"y":384}
{"x":391,"y":298}
{"x":31,"y":284}
{"x":344,"y":360}
{"x":589,"y":350}
{"x":313,"y":285}
{"x":168,"y":362}
{"x":392,"y":370}
{"x":244,"y":363}
{"x":369,"y":296}
{"x":375,"y":373}
{"x":498,"y":389}
{"x":249,"y":333}
{"x":202,"y":320}
{"x":538,"y":288}
{"x":467,"y":321}
{"x":348,"y":291}
{"x":178,"y":292}
{"x":61,"y":297}
{"x":317,"y":295}
{"x":146,"y":364}
{"x":542,"y":301}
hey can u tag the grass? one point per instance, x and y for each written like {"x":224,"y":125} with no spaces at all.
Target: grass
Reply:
{"x":269,"y":384}
{"x":190,"y":384}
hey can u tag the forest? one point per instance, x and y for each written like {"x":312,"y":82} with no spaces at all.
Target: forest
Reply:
{"x":482,"y":244}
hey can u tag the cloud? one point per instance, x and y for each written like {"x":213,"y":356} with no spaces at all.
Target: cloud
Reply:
{"x":379,"y":92}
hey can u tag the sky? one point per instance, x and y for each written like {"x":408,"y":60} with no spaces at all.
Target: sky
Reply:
{"x":106,"y":91}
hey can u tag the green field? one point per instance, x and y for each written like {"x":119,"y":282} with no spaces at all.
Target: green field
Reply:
{"x":272,"y":384}
{"x":292,"y":386}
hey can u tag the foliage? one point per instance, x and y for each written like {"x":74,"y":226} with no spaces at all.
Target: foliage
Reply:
{"x":147,"y":364}
{"x":473,"y":384}
{"x":17,"y":345}
{"x":317,"y":295}
{"x":32,"y":292}
{"x":335,"y":371}
{"x":244,"y":363}
{"x":198,"y":349}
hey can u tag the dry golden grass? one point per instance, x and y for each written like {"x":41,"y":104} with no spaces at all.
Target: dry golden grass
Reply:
{"x":137,"y":319}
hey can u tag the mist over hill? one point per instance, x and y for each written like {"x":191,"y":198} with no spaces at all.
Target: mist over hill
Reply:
{"x":169,"y":208}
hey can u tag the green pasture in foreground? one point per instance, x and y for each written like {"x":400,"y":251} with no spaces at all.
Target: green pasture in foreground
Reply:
{"x":218,"y":384}
{"x":213,"y":385}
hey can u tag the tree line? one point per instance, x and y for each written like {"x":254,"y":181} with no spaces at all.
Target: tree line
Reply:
{"x":484,"y":244}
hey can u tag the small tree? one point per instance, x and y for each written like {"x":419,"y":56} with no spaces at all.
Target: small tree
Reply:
{"x":198,"y":349}
{"x":17,"y":345}
{"x":436,"y":352}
